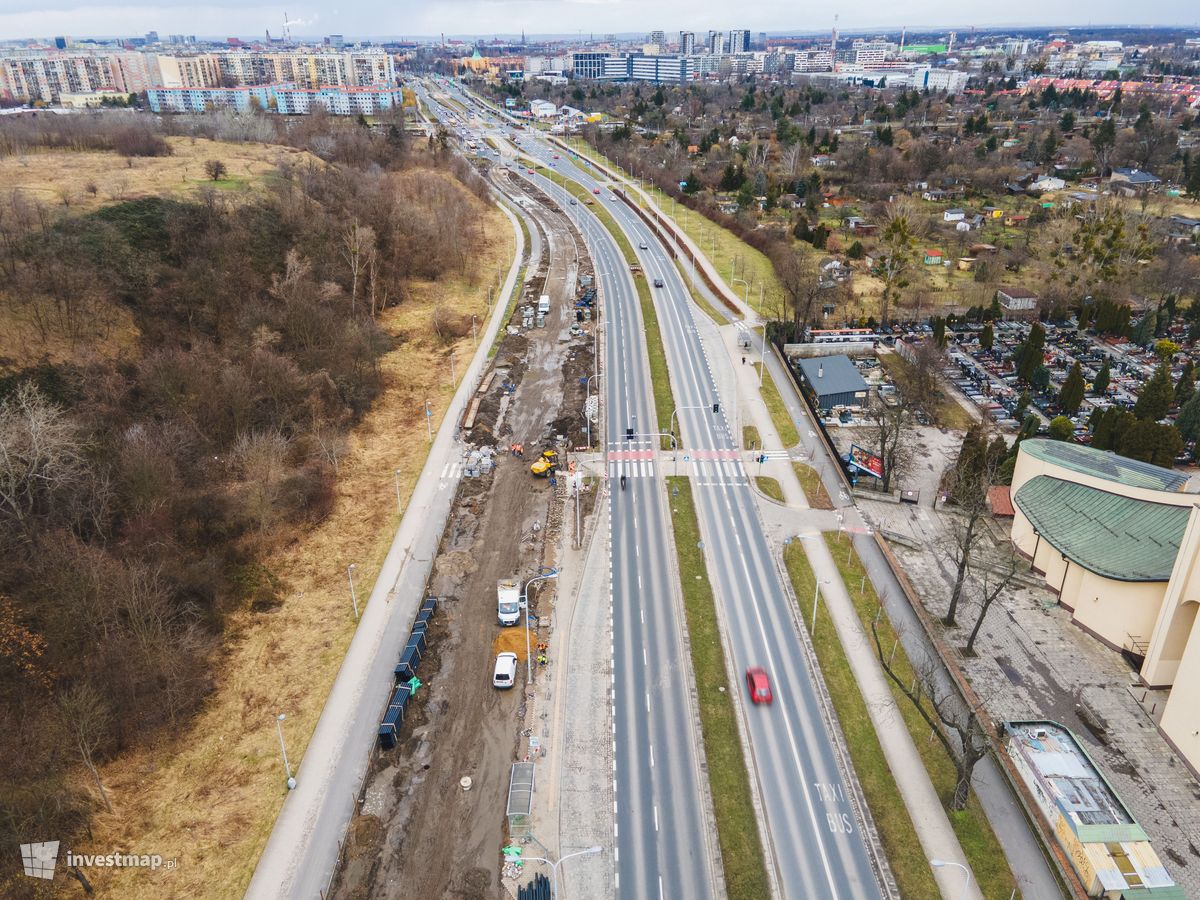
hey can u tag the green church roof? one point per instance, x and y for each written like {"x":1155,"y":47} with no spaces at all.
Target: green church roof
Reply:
{"x":1117,"y":537}
{"x":1102,"y":464}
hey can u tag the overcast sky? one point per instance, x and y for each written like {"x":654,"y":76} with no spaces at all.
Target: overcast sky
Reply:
{"x":82,"y":18}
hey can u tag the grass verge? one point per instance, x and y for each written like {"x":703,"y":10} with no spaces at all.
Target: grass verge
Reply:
{"x":701,"y":301}
{"x":750,"y":438}
{"x":660,"y":379}
{"x":814,"y":490}
{"x":737,"y":830}
{"x":770,"y":486}
{"x":729,"y":254}
{"x":779,"y":414}
{"x":515,"y":296}
{"x":895,"y":827}
{"x":979,"y":842}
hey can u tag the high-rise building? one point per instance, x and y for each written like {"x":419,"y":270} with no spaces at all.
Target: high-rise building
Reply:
{"x":687,"y":43}
{"x":151,"y":37}
{"x":716,"y":43}
{"x":588,"y":65}
{"x":336,"y":40}
{"x":60,"y":43}
{"x":739,"y":41}
{"x":658,"y":38}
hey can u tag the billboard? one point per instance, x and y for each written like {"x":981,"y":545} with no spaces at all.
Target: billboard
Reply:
{"x":865,"y":461}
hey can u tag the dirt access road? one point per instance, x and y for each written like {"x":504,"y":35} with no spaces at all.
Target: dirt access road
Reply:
{"x":418,"y":834}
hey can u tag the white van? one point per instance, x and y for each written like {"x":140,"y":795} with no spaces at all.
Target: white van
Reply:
{"x":505,"y":675}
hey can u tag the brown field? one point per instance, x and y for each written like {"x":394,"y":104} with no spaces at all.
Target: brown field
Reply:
{"x":209,"y":795}
{"x":63,"y":177}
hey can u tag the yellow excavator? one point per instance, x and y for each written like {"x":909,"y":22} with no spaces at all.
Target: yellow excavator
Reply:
{"x":544,"y":464}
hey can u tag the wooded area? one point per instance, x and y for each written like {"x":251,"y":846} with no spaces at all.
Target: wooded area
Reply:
{"x":140,"y":491}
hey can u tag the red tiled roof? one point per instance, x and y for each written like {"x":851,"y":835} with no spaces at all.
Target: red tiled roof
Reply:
{"x":1000,"y":500}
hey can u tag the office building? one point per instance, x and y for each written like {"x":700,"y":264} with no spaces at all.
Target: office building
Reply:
{"x":658,"y":38}
{"x":588,"y":65}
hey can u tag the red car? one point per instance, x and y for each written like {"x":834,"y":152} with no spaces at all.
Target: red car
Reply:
{"x":529,"y":171}
{"x":595,"y":190}
{"x":759,"y":685}
{"x":556,"y":156}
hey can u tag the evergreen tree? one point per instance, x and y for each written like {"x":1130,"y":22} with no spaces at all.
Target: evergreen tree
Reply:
{"x":1155,"y":398}
{"x":1152,"y":443}
{"x":1071,"y":395}
{"x":1188,"y":420}
{"x":1022,"y":405}
{"x":1186,"y":386}
{"x":1027,"y":358}
{"x":1143,"y":331}
{"x":1061,"y":428}
{"x":987,"y":338}
{"x":1103,"y":377}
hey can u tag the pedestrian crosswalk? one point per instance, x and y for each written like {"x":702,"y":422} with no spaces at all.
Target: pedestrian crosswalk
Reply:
{"x":717,"y":472}
{"x":774,"y":454}
{"x":631,"y":463}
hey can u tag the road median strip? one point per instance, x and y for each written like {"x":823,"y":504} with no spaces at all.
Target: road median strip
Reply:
{"x":729,"y":782}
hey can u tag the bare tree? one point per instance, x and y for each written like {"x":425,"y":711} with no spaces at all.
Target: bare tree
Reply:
{"x":945,"y":714}
{"x":88,"y":719}
{"x":358,"y":250}
{"x":966,"y":486}
{"x":994,"y":584}
{"x":892,"y":434}
{"x":798,"y":276}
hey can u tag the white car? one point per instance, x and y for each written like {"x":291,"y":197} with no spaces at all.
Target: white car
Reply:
{"x":643,"y":246}
{"x":505,"y":674}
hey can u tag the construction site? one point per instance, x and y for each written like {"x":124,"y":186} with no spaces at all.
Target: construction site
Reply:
{"x":431,"y":817}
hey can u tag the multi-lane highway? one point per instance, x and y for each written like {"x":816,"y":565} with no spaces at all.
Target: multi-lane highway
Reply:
{"x":815,"y":839}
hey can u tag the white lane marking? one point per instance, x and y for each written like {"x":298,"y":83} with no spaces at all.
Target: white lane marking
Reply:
{"x":651,"y":746}
{"x":647,"y":701}
{"x":656,"y":819}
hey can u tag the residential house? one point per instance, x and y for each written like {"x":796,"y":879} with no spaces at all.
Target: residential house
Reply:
{"x":1183,"y":229}
{"x":823,"y":161}
{"x":993,"y":212}
{"x":1017,"y":302}
{"x":1132,"y":181}
{"x":790,"y":201}
{"x":966,"y":263}
{"x":981,"y":249}
{"x":954,"y":215}
{"x":1047,"y":183}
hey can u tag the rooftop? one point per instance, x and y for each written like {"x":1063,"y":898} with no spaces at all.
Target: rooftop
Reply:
{"x":1102,"y":464}
{"x":832,"y":375}
{"x":1117,"y":537}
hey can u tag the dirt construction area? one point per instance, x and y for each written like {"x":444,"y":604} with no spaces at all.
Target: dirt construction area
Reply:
{"x":420,"y":832}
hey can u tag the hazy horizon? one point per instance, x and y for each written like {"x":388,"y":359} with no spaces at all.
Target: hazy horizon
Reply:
{"x":550,"y":19}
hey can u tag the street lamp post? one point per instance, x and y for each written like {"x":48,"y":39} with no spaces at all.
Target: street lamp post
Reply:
{"x":733,"y":281}
{"x":553,"y":573}
{"x":353,"y":597}
{"x":399,"y":502}
{"x":554,"y":866}
{"x":940,"y":863}
{"x":816,"y":596}
{"x":287,"y":767}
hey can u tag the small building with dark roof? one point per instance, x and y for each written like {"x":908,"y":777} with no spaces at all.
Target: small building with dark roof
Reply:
{"x":830,"y":381}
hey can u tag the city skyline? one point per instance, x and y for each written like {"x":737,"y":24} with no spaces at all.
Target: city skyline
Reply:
{"x":24,"y":19}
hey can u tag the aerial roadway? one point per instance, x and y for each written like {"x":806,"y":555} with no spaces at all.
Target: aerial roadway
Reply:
{"x":816,"y":844}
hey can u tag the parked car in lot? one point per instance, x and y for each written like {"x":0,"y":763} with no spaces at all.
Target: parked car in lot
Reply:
{"x":759,"y":685}
{"x":505,"y":674}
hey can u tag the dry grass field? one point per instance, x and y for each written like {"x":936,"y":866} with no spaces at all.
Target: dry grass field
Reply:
{"x":87,"y":180}
{"x":209,"y":795}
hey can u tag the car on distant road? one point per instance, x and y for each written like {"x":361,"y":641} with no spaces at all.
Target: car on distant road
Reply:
{"x":643,"y":246}
{"x":505,"y":673}
{"x":759,"y":685}
{"x":595,"y":190}
{"x":658,"y":282}
{"x":574,"y":202}
{"x":556,"y":156}
{"x":529,"y":171}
